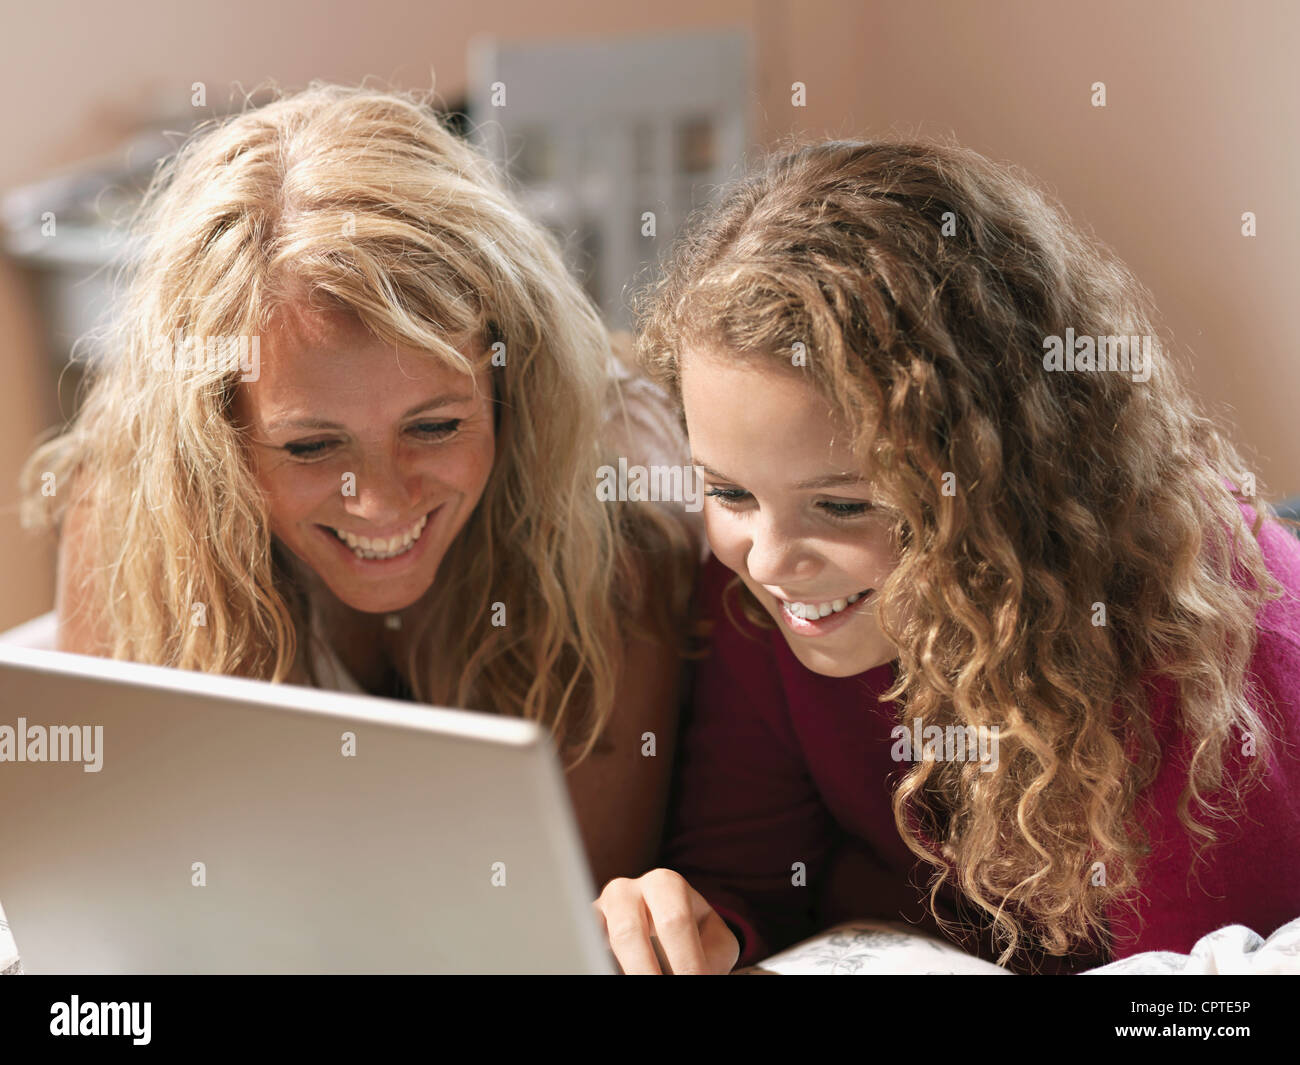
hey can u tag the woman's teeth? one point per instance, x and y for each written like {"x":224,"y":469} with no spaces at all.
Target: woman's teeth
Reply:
{"x":813,"y":611}
{"x":379,"y":548}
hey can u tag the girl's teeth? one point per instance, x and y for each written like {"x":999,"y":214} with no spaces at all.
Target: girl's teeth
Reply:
{"x":816,"y":611}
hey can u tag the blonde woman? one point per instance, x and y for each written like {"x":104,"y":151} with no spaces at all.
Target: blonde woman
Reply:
{"x":348,"y":434}
{"x":1009,"y":623}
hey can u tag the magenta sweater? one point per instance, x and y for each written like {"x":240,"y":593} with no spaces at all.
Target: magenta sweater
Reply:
{"x":779,"y":765}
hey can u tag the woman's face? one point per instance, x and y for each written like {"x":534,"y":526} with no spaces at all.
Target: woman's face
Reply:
{"x":371,"y":458}
{"x":787,"y":509}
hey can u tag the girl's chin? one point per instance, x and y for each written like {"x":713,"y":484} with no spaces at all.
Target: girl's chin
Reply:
{"x":843,"y":662}
{"x":835,"y":666}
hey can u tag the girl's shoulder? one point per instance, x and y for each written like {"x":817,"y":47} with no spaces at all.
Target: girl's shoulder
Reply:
{"x":720,"y":604}
{"x":738,"y":659}
{"x":746,"y":657}
{"x":1272,"y":675}
{"x":1281,"y":550}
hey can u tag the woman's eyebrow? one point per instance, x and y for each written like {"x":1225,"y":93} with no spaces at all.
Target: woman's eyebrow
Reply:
{"x":291,"y":422}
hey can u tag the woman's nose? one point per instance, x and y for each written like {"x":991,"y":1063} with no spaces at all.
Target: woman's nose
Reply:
{"x":385,"y":492}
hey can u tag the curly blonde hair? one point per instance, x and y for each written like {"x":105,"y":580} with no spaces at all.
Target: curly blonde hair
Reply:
{"x":922,"y":280}
{"x":363,"y":198}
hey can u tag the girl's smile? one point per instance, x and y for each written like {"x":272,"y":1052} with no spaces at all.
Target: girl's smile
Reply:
{"x":814,"y":618}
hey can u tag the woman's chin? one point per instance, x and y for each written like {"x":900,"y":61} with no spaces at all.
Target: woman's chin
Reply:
{"x":377,"y":596}
{"x":381,"y":597}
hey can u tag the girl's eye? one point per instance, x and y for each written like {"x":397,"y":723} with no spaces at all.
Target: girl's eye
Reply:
{"x":728,"y":497}
{"x":733,"y":497}
{"x":844,"y":510}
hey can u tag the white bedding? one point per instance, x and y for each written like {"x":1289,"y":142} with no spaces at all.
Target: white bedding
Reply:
{"x":867,"y":948}
{"x":875,"y":947}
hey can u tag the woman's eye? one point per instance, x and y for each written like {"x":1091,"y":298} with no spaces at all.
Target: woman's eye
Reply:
{"x":436,"y":430}
{"x":728,"y":497}
{"x":844,"y":510}
{"x":315,"y":447}
{"x":423,"y":430}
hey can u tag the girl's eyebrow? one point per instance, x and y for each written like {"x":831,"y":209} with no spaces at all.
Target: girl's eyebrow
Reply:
{"x":829,"y":481}
{"x":832,"y":480}
{"x":290,"y":422}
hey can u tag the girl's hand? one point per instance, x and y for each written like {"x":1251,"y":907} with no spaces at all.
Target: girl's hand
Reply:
{"x":693,"y":939}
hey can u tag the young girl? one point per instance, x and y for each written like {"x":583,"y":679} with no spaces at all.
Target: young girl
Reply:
{"x":347,"y":434}
{"x":982,"y":614}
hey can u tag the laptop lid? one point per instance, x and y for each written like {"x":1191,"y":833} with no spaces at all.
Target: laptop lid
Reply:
{"x":166,"y":821}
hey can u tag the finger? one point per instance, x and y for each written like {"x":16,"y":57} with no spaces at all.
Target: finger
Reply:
{"x":628,"y":927}
{"x":674,"y":917}
{"x":604,"y":932}
{"x":721,"y":947}
{"x":665,"y":966}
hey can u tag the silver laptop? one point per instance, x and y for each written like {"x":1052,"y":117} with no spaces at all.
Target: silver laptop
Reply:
{"x":162,"y":821}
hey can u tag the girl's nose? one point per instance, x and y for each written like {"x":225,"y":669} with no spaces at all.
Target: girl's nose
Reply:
{"x":777,"y":559}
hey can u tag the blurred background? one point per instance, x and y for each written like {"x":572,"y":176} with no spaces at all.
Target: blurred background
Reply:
{"x":614,"y":111}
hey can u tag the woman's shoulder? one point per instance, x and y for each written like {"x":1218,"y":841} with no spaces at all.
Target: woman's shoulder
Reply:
{"x":82,"y":627}
{"x":643,"y":427}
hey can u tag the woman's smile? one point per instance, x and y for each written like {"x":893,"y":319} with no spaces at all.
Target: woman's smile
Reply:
{"x":381,"y":554}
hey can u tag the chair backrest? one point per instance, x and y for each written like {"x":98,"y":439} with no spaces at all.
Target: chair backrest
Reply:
{"x":1290,"y":508}
{"x":614,"y":142}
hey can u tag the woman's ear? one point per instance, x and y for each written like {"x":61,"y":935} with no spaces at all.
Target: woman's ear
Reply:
{"x":495,"y":369}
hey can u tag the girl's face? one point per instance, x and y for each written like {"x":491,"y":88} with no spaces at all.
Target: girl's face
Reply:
{"x":787,"y":509}
{"x":371,"y":458}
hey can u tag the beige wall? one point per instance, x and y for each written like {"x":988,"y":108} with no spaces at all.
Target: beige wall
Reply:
{"x":1201,"y":125}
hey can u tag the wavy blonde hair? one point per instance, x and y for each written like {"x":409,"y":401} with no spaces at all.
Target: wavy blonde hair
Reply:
{"x":363,"y":198}
{"x":922,"y":280}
